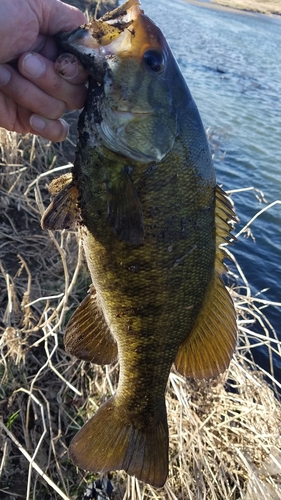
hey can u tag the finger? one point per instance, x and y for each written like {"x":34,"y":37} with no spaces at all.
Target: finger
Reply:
{"x":70,"y":68}
{"x":53,"y":130}
{"x":5,"y":76}
{"x":42,"y":73}
{"x":28,"y":95}
{"x":49,"y":50}
{"x":61,"y":17}
{"x":18,"y":119}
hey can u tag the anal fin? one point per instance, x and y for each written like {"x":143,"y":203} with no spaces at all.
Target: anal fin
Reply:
{"x":88,"y":336}
{"x":63,"y":212}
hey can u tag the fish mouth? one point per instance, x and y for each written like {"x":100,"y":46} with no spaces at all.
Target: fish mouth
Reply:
{"x":107,"y":36}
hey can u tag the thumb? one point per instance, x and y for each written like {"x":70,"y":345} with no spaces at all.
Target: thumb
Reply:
{"x":70,"y":68}
{"x":58,"y":16}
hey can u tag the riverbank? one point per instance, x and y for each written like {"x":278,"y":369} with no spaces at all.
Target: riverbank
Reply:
{"x":261,"y":6}
{"x":267,"y":7}
{"x":247,"y":6}
{"x":226,"y":428}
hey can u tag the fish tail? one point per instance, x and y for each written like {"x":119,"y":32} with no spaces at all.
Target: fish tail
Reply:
{"x":109,"y":442}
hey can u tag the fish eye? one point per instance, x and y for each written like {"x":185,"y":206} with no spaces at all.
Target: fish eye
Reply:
{"x":154,"y":60}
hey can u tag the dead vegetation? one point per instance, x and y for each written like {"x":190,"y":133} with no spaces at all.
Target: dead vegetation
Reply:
{"x":96,"y":8}
{"x":224,"y":434}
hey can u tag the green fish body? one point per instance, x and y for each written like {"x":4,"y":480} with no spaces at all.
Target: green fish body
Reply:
{"x":151,"y":218}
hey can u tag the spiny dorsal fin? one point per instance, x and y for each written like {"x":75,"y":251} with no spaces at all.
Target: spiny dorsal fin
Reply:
{"x":87,"y":335}
{"x":108,"y":441}
{"x":124,"y":210}
{"x":59,"y":183}
{"x":224,"y":219}
{"x":63,"y":212}
{"x":208,"y":349}
{"x":119,"y":12}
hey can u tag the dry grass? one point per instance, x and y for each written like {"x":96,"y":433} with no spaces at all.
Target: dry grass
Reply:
{"x":224,"y":434}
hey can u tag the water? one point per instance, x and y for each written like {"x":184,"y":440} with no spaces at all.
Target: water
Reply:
{"x":232,"y":65}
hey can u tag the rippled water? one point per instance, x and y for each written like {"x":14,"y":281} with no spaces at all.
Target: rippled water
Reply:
{"x":232,"y":64}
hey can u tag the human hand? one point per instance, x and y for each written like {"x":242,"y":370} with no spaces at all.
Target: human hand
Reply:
{"x":36,"y":93}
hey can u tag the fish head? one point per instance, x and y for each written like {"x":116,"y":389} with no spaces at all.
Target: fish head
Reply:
{"x":130,"y":58}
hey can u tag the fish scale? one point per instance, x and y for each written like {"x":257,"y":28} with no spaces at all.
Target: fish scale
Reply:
{"x":143,"y":196}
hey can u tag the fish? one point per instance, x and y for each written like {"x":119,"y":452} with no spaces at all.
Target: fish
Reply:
{"x":154,"y":223}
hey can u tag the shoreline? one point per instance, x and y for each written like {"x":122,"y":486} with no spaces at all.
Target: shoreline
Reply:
{"x":265,"y":7}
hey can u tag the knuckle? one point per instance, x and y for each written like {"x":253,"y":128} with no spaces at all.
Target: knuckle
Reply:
{"x":56,"y":110}
{"x":78,"y":97}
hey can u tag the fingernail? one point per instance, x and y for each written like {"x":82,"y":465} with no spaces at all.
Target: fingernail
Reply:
{"x":33,"y":66}
{"x":65,"y":128}
{"x":67,"y":66}
{"x":37,"y":122}
{"x":5,"y":75}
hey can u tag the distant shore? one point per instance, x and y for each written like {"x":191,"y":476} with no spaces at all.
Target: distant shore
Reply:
{"x":262,"y":6}
{"x":267,"y":7}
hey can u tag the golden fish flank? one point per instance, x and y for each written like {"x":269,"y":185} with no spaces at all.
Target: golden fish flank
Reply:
{"x":152,"y":221}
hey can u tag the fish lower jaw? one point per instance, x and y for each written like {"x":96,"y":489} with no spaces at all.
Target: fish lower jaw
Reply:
{"x":128,"y":115}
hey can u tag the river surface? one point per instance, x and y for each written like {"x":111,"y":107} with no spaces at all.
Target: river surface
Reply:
{"x":232,"y":65}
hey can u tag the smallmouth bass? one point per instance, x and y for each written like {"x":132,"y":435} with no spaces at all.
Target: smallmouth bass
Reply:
{"x":152,"y":220}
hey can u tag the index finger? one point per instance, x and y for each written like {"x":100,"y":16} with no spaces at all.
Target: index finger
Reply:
{"x":41,"y":72}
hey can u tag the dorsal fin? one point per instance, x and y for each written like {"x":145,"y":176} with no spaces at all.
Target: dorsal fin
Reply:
{"x":208,"y":349}
{"x":63,"y":212}
{"x":87,"y":335}
{"x":224,"y":219}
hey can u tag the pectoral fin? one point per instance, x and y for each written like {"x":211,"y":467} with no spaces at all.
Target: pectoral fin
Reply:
{"x":208,"y":349}
{"x":124,"y":210}
{"x":63,"y":212}
{"x":87,"y":335}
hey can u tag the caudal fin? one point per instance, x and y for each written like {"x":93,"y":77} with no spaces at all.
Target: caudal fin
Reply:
{"x":109,"y":442}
